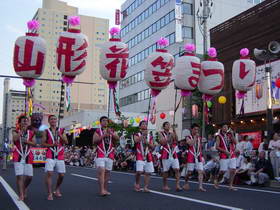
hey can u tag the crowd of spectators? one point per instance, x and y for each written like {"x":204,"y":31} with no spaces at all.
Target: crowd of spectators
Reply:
{"x":254,"y":167}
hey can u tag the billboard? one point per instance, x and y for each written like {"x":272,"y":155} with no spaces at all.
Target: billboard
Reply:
{"x":256,"y":99}
{"x":178,"y":21}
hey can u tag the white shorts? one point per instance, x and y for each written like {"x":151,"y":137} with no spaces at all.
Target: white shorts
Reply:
{"x":197,"y":166}
{"x":144,"y":166}
{"x":23,"y":169}
{"x":226,"y":164}
{"x":54,"y":164}
{"x":106,"y":163}
{"x":168,"y":163}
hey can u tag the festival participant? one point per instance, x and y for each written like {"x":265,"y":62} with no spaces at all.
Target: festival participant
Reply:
{"x":54,"y":139}
{"x":225,"y":144}
{"x":105,"y":139}
{"x":23,"y":139}
{"x":144,"y":158}
{"x":169,"y":141}
{"x":194,"y":157}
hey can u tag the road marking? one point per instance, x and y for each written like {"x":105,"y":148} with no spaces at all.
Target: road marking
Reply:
{"x":20,"y":204}
{"x":86,"y":177}
{"x":195,"y":200}
{"x":209,"y":184}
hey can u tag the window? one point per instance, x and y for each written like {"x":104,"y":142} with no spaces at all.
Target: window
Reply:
{"x":187,"y":9}
{"x":172,"y":15}
{"x":162,"y":22}
{"x":65,"y":17}
{"x":187,"y":32}
{"x":65,"y":23}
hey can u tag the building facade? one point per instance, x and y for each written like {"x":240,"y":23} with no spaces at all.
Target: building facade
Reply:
{"x":53,"y":18}
{"x":13,"y":105}
{"x":229,"y":37}
{"x":144,"y":22}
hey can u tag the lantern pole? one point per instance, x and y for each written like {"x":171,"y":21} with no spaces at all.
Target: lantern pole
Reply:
{"x":149,"y":107}
{"x":175,"y":105}
{"x":109,"y":103}
{"x":204,"y":21}
{"x":61,"y":102}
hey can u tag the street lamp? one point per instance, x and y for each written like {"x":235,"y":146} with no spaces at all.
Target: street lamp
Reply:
{"x":266,"y":56}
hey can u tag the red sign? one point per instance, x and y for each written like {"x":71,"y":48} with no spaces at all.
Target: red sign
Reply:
{"x":117,"y":17}
{"x":256,"y":136}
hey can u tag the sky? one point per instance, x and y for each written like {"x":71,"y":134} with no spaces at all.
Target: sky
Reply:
{"x":15,"y":17}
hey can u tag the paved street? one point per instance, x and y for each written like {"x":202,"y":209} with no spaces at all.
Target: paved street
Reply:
{"x":80,"y":191}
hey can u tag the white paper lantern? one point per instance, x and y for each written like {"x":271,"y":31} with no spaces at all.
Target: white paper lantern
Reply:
{"x":243,"y":72}
{"x":187,"y":71}
{"x":71,"y":52}
{"x":211,"y":80}
{"x":29,"y":56}
{"x":158,"y":70}
{"x":113,"y":61}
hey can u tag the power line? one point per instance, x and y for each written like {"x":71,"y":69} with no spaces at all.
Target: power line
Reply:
{"x":44,"y":79}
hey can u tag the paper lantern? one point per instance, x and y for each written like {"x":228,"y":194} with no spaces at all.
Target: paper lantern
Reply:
{"x":71,"y":52}
{"x":29,"y":55}
{"x":187,"y":71}
{"x":171,"y":113}
{"x":113,"y":59}
{"x":259,"y":91}
{"x":158,"y":69}
{"x":277,"y":82}
{"x":211,"y":80}
{"x":97,"y":122}
{"x":137,"y":119}
{"x":222,"y":99}
{"x":243,"y":73}
{"x":162,"y":116}
{"x":209,"y":104}
{"x":131,"y":120}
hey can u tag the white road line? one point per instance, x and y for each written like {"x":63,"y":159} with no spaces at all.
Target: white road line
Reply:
{"x":209,"y":184}
{"x":195,"y":200}
{"x":86,"y":177}
{"x":175,"y":196}
{"x":20,"y":204}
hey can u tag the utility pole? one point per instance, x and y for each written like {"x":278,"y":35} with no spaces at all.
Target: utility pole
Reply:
{"x":203,"y":21}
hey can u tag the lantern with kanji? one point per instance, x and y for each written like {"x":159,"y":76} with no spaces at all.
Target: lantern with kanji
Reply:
{"x":71,"y":51}
{"x":187,"y":71}
{"x":243,"y":73}
{"x":114,"y":59}
{"x":158,"y":69}
{"x":29,"y":55}
{"x":211,"y":80}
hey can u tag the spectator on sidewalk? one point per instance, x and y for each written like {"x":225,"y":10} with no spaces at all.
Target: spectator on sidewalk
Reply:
{"x":262,"y":171}
{"x":274,"y":147}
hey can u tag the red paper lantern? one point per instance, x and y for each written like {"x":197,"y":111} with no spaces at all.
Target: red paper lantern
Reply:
{"x":162,"y":115}
{"x":113,"y":59}
{"x":277,"y":82}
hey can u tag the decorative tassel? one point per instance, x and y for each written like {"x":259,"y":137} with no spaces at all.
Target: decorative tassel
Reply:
{"x":116,"y":104}
{"x":68,"y":97}
{"x":30,"y":102}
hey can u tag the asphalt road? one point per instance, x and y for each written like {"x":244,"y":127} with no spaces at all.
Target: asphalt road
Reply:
{"x":80,"y":192}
